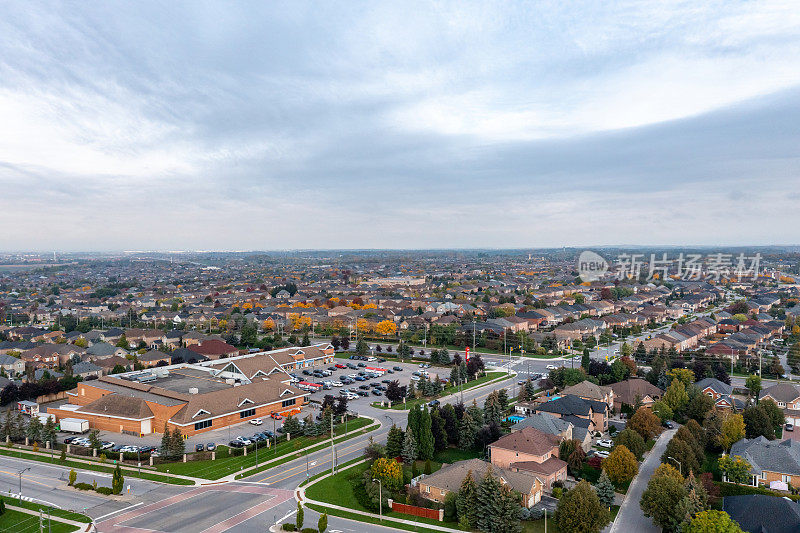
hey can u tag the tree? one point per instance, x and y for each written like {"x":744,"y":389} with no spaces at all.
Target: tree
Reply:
{"x":712,"y":522}
{"x":683,"y":453}
{"x":732,"y":430}
{"x":322,"y":523}
{"x":684,"y":375}
{"x":394,"y":442}
{"x":49,"y":431}
{"x":494,"y":503}
{"x":757,"y":423}
{"x":34,"y":430}
{"x":631,"y":440}
{"x":735,"y":469}
{"x":117,"y":481}
{"x":292,"y":425}
{"x":466,"y":432}
{"x":773,"y":412}
{"x":409,"y":447}
{"x":300,"y":517}
{"x":467,"y":502}
{"x":690,"y":505}
{"x":585,"y":359}
{"x":660,"y":499}
{"x":72,"y":476}
{"x":621,"y":465}
{"x":94,"y":439}
{"x":389,"y":472}
{"x":491,"y":409}
{"x":699,"y":405}
{"x":438,"y":429}
{"x":448,"y":414}
{"x":753,"y":384}
{"x":362,"y":348}
{"x":425,"y":442}
{"x":579,"y":510}
{"x":645,"y":423}
{"x":676,"y":396}
{"x":605,"y":491}
{"x":394,"y":392}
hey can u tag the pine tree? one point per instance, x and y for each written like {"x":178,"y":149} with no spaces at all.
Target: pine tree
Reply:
{"x":489,"y":503}
{"x":414,"y":416}
{"x":394,"y":442}
{"x":34,"y":430}
{"x":177,"y":444}
{"x":467,"y":502}
{"x":438,"y":429}
{"x":689,"y":506}
{"x":491,"y":409}
{"x":530,"y":389}
{"x":476,"y":413}
{"x":426,"y":444}
{"x":409,"y":447}
{"x":585,"y":359}
{"x":166,"y":442}
{"x":117,"y":481}
{"x":507,"y":520}
{"x":605,"y":490}
{"x":502,"y":397}
{"x":49,"y":431}
{"x":466,"y":432}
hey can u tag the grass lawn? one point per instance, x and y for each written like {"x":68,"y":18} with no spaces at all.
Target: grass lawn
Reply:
{"x":387,"y":523}
{"x":489,"y":377}
{"x":95,"y":466}
{"x":226,"y":464}
{"x":451,"y":455}
{"x":20,"y":522}
{"x":589,"y":473}
{"x":77,"y":517}
{"x":537,"y":526}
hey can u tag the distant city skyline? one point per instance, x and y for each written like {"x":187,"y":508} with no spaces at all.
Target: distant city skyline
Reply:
{"x":364,"y":125}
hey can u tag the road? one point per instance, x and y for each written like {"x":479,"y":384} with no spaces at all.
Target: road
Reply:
{"x":630,"y":516}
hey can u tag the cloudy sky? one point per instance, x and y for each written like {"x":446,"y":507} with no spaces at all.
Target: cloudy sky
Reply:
{"x":267,"y":125}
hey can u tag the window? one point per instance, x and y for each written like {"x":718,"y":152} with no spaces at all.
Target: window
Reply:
{"x":287,"y":403}
{"x":202,"y":425}
{"x":786,"y":479}
{"x":246,"y":413}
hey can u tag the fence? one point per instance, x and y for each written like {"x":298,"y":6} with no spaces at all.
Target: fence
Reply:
{"x":422,"y":512}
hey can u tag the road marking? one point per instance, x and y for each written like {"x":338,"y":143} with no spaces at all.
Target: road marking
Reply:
{"x":99,"y":518}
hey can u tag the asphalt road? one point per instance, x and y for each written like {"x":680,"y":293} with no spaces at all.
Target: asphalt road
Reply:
{"x":630,"y":516}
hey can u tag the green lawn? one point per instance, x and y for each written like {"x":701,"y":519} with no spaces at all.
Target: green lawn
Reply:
{"x":77,"y":517}
{"x":451,"y":455}
{"x":387,"y":523}
{"x":489,"y":377}
{"x":537,"y":526}
{"x":20,"y":522}
{"x":95,"y":466}
{"x":226,"y":464}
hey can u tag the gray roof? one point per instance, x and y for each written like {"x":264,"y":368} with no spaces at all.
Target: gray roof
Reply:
{"x":6,"y":359}
{"x":773,"y":456}
{"x":781,"y":392}
{"x":759,"y":513}
{"x":573,"y":405}
{"x":85,"y":367}
{"x":451,"y":476}
{"x":102,"y":349}
{"x":544,"y":422}
{"x":715,"y":384}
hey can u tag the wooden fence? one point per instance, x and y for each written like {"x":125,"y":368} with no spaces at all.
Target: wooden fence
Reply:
{"x":433,"y":514}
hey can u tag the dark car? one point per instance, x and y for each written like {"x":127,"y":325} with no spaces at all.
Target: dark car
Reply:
{"x":364,"y":387}
{"x":359,"y":378}
{"x":668,"y":424}
{"x":389,"y":371}
{"x":361,"y":365}
{"x":386,"y":381}
{"x":67,"y":440}
{"x":306,"y":373}
{"x":353,"y":357}
{"x":199,"y":447}
{"x":398,"y":368}
{"x":332,"y":368}
{"x":377,"y":392}
{"x":362,"y":393}
{"x":236,"y":444}
{"x":117,"y":447}
{"x":434,"y":403}
{"x":351,"y":365}
{"x":269,"y":434}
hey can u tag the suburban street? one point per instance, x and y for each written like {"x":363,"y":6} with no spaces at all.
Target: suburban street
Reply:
{"x":630,"y":516}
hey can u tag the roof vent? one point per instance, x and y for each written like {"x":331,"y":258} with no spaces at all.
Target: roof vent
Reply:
{"x":193,"y":390}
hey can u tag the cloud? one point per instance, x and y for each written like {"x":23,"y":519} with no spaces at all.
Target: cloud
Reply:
{"x":302,"y":125}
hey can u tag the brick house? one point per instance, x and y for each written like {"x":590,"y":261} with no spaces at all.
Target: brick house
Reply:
{"x":532,"y":451}
{"x":770,"y":460}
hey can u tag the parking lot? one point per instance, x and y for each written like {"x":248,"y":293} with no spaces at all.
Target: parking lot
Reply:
{"x":224,"y":435}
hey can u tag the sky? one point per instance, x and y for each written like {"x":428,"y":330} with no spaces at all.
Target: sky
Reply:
{"x":297,"y":125}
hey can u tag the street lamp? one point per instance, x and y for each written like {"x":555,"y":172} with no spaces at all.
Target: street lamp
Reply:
{"x":20,"y":482}
{"x":380,"y":497}
{"x":680,"y":468}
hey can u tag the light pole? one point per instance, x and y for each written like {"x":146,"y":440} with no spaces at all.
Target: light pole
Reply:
{"x":380,"y":498}
{"x":20,"y":482}
{"x":680,"y":468}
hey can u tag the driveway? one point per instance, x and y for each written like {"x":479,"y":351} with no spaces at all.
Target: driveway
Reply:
{"x":631,"y":517}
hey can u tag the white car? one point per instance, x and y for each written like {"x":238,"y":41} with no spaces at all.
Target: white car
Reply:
{"x":351,"y":396}
{"x":337,"y":383}
{"x":551,"y":367}
{"x":602,"y":454}
{"x":371,"y":359}
{"x":605,"y":443}
{"x":354,"y":376}
{"x":256,"y":421}
{"x":415,"y":378}
{"x":244,"y":440}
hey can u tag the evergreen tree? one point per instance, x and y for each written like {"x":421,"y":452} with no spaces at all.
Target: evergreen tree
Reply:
{"x":466,"y":432}
{"x":508,"y":519}
{"x":34,"y":430}
{"x":49,"y":431}
{"x":292,"y":426}
{"x":585,"y":359}
{"x":414,"y":416}
{"x":502,"y":398}
{"x":426,"y":444}
{"x":8,"y":425}
{"x":306,"y":340}
{"x":467,"y":502}
{"x":394,"y":442}
{"x":322,"y":523}
{"x":166,"y":442}
{"x":438,"y":429}
{"x":491,"y":409}
{"x":489,"y":502}
{"x":454,"y":376}
{"x":448,"y":414}
{"x":117,"y":481}
{"x":476,"y":413}
{"x":177,"y":445}
{"x":409,"y":447}
{"x":690,"y":505}
{"x":605,"y":490}
{"x":300,"y":518}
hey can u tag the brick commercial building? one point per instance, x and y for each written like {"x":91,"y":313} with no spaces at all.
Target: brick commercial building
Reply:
{"x":194,"y":398}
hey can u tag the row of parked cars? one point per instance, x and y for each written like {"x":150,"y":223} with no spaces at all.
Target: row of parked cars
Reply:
{"x":111,"y":446}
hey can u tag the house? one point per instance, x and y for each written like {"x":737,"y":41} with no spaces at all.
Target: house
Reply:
{"x":760,"y":513}
{"x":530,"y":450}
{"x":85,"y":369}
{"x":436,"y":486}
{"x":551,"y":424}
{"x":787,"y":396}
{"x":590,"y":391}
{"x":104,"y":349}
{"x":631,"y":390}
{"x":215,"y":349}
{"x":770,"y":460}
{"x":153,"y":358}
{"x":719,"y":392}
{"x":572,"y":407}
{"x":13,"y":366}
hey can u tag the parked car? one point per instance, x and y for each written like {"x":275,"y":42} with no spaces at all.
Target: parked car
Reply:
{"x":669,"y":425}
{"x":236,"y":444}
{"x":211,"y":446}
{"x":244,"y":440}
{"x":434,"y":403}
{"x":340,"y":365}
{"x":602,"y":454}
{"x":397,"y":368}
{"x":551,"y":367}
{"x":605,"y":443}
{"x":106,"y":444}
{"x":362,"y":393}
{"x":359,"y":378}
{"x":276,"y":416}
{"x":415,"y":378}
{"x":337,"y":383}
{"x":376,"y":392}
{"x":789,"y":427}
{"x":199,"y":447}
{"x":256,"y":421}
{"x":361,"y":365}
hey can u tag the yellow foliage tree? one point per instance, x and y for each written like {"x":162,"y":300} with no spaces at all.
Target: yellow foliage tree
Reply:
{"x":268,"y":325}
{"x":363,"y":325}
{"x":621,"y":465}
{"x":386,"y":327}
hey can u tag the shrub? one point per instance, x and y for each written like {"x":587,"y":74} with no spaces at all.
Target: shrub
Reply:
{"x":289,"y":527}
{"x":83,"y":486}
{"x":103,"y":458}
{"x":72,"y":477}
{"x":536,"y":513}
{"x":557,"y":492}
{"x":104,"y":490}
{"x":35,"y":447}
{"x":2,"y":507}
{"x":309,"y":530}
{"x":63,"y":456}
{"x":524,"y":513}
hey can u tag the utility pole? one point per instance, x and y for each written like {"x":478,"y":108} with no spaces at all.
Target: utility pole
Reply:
{"x":20,"y":483}
{"x":333,"y":457}
{"x":473,"y":334}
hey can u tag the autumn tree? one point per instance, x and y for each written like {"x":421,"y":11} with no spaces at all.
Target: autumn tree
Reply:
{"x":645,"y":423}
{"x":712,"y":522}
{"x":579,"y":510}
{"x":620,"y":465}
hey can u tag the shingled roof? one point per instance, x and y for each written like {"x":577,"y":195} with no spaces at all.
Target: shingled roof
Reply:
{"x":528,"y":440}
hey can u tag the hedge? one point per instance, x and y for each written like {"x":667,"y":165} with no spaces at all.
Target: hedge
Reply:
{"x":732,"y":489}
